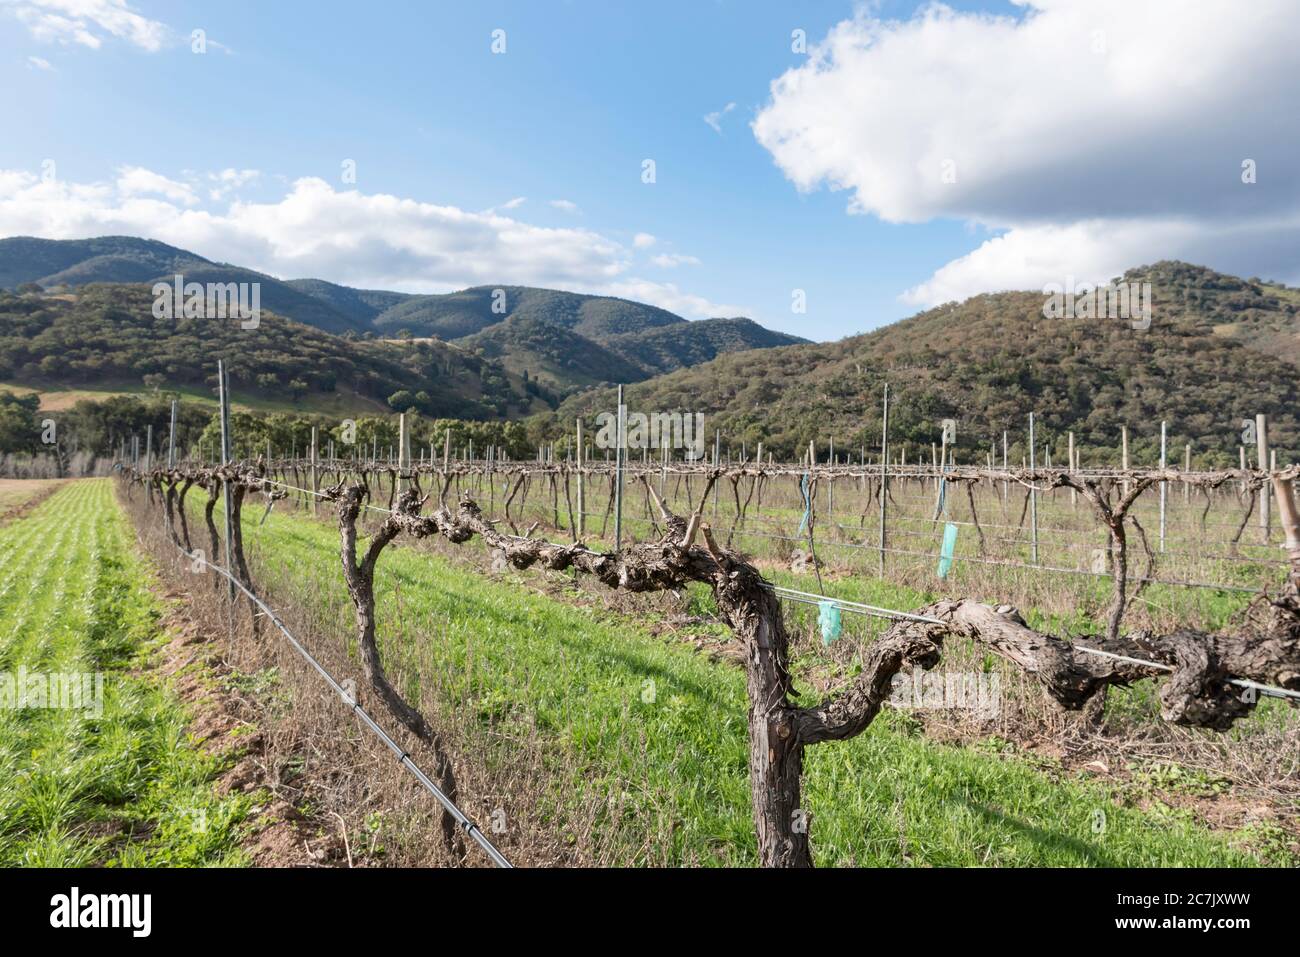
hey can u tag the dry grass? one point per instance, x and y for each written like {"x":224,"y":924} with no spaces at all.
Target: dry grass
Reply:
{"x":18,"y":496}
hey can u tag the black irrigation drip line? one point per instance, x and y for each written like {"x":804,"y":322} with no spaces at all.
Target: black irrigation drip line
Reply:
{"x":403,"y":757}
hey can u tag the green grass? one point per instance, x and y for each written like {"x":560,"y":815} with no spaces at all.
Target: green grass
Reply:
{"x":676,"y":760}
{"x":121,"y":785}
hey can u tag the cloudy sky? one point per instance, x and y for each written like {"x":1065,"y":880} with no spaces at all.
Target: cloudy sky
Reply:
{"x":877,"y":157}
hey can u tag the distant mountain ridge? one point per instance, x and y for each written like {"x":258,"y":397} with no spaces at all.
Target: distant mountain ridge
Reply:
{"x":564,"y":340}
{"x":106,"y":338}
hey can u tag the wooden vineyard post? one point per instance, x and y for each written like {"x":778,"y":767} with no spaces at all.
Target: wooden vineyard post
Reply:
{"x":446,"y":461}
{"x":403,"y":448}
{"x":315,"y":471}
{"x":223,"y":396}
{"x":1123,"y":455}
{"x":1261,"y":450}
{"x":1288,"y":515}
{"x":884,"y":473}
{"x":717,"y":463}
{"x":582,"y":485}
{"x":1004,"y":468}
{"x":830,"y":487}
{"x":618,"y":472}
{"x":1187,"y":467}
{"x":1164,"y":486}
{"x":1033,"y":496}
{"x":1074,"y":495}
{"x":171,"y":439}
{"x":665,"y":455}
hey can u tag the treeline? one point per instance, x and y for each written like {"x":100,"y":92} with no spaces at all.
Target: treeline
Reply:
{"x":289,"y":436}
{"x":109,"y":427}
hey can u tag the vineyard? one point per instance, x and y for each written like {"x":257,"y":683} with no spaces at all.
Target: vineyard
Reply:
{"x":98,"y":769}
{"x":1131,"y":615}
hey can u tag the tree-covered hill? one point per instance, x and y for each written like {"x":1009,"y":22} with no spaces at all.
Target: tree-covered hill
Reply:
{"x":557,"y":357}
{"x":566,"y":340}
{"x":72,"y":263}
{"x":469,"y":311}
{"x":1218,"y":350}
{"x":362,"y":306}
{"x":107,"y":334}
{"x":670,"y":347}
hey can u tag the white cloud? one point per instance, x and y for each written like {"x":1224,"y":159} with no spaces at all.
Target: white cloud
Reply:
{"x":515,"y":203}
{"x":371,"y":240}
{"x":39,"y":63}
{"x":643,"y":240}
{"x":137,"y":181}
{"x":229,"y":181}
{"x":669,"y":260}
{"x":1099,"y":250}
{"x":666,"y":295}
{"x":564,"y":205}
{"x":87,"y":22}
{"x":715,"y":119}
{"x":1094,"y":134}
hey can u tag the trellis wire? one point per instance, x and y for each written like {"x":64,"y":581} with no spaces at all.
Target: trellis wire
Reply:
{"x":894,"y":615}
{"x":403,"y":756}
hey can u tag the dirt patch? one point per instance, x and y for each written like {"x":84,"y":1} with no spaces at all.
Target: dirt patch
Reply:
{"x":19,"y":496}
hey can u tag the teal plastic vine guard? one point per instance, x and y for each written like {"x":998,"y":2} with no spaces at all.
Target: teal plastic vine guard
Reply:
{"x":828,"y":618}
{"x":807,"y":503}
{"x":946,"y":552}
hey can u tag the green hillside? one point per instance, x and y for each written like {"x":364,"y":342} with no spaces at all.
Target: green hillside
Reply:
{"x":557,"y":357}
{"x":666,"y":348}
{"x":464,"y":313}
{"x":54,"y":264}
{"x":108,"y":335}
{"x":361,"y":306}
{"x":1219,"y":349}
{"x":75,"y":262}
{"x":566,"y":340}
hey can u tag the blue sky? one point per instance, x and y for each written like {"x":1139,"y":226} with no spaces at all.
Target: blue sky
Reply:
{"x":583,"y":94}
